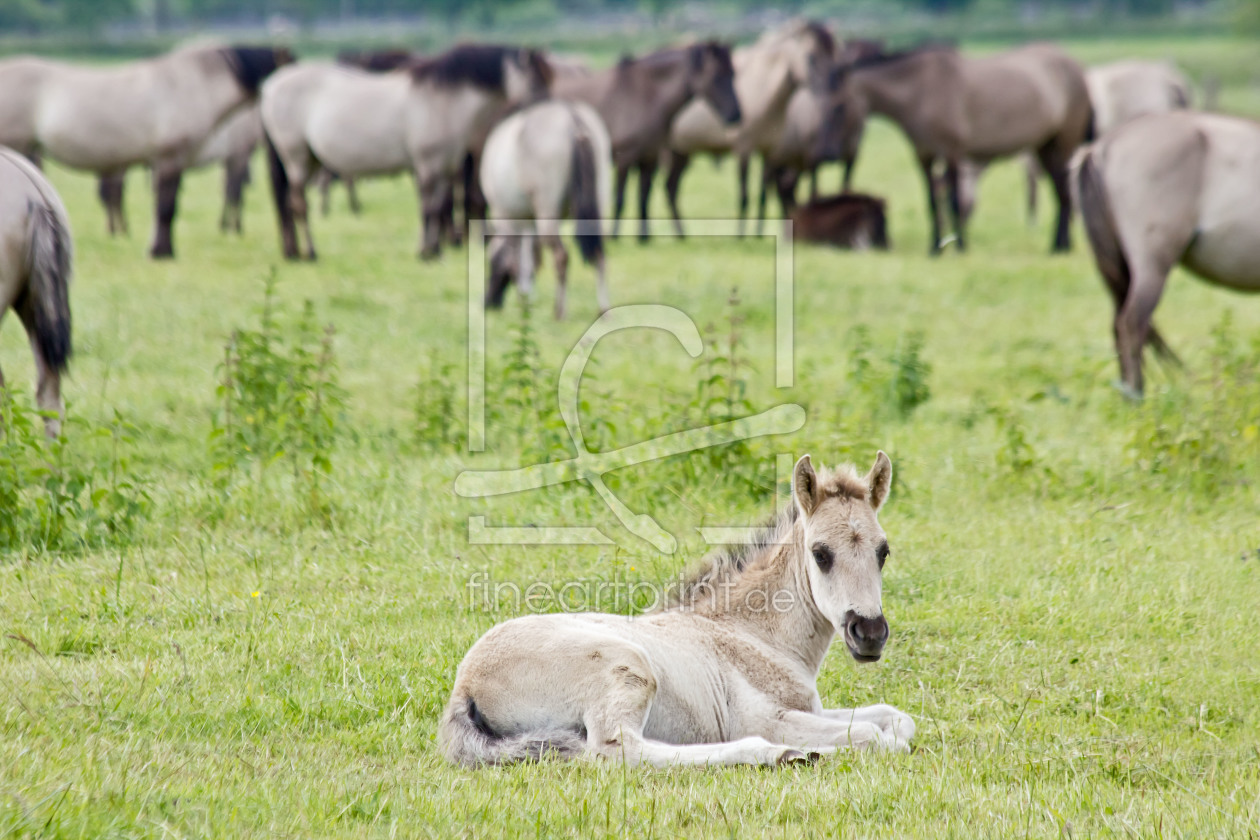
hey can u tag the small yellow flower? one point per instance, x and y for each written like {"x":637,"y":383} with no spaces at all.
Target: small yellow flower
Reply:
{"x":633,"y":569}
{"x":254,"y":594}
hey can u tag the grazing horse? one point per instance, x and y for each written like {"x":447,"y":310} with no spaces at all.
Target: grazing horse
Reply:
{"x":727,"y":675}
{"x":954,"y":108}
{"x":156,"y":112}
{"x":1165,"y":190}
{"x":540,"y":165}
{"x":849,"y":220}
{"x":767,"y":74}
{"x":425,"y":116}
{"x":373,"y":61}
{"x":638,"y":101}
{"x":232,"y":144}
{"x":36,"y":254}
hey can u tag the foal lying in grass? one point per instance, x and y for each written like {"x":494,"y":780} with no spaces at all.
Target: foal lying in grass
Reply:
{"x":726,"y":676}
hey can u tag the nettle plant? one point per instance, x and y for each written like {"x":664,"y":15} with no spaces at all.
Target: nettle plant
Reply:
{"x":278,"y":401}
{"x":69,"y":494}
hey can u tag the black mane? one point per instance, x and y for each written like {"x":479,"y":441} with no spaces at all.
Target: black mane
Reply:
{"x":377,"y":61}
{"x":251,"y":65}
{"x":479,"y":65}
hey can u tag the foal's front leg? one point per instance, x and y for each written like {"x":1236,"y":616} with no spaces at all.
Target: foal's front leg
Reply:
{"x":859,"y":729}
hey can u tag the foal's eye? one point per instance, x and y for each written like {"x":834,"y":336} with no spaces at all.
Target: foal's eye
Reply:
{"x":824,"y":557}
{"x":882,"y":554}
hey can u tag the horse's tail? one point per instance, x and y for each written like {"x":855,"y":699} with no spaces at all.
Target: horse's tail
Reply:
{"x":584,"y":197}
{"x":1105,"y":242}
{"x":280,"y":192}
{"x":1091,"y":125}
{"x":467,"y":739}
{"x":45,"y":307}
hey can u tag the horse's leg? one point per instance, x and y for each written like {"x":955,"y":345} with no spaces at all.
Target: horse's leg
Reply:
{"x":647,"y":175}
{"x":1056,"y":167}
{"x":619,"y":197}
{"x":767,"y":172}
{"x":813,"y":183}
{"x":352,"y":195}
{"x":1032,"y":172}
{"x":873,"y":728}
{"x":785,"y":186}
{"x":953,"y":187}
{"x":549,"y":233}
{"x":234,"y":176}
{"x":673,"y":180}
{"x":166,"y":190}
{"x":847,"y":184}
{"x":435,"y":190}
{"x":601,"y":284}
{"x":47,"y":380}
{"x":323,"y":183}
{"x":301,"y":212}
{"x":1133,"y":320}
{"x":926,"y":164}
{"x":744,"y":160}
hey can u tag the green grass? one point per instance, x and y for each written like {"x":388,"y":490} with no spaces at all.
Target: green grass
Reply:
{"x":1072,"y":591}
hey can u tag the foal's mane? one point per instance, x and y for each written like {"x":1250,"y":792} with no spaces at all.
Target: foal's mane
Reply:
{"x":722,"y":568}
{"x":479,"y":65}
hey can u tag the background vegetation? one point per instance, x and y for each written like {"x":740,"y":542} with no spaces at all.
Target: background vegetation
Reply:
{"x":232,"y":601}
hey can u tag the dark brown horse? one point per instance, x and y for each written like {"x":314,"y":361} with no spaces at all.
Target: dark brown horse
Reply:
{"x":955,"y":108}
{"x":638,"y":100}
{"x":848,"y":220}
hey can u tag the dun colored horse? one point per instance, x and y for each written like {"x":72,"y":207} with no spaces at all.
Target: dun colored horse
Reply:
{"x":424,"y":117}
{"x":157,"y":113}
{"x":36,"y":254}
{"x":728,"y":675}
{"x":767,"y":74}
{"x":954,"y":108}
{"x":1165,"y":190}
{"x":542,"y":164}
{"x":232,"y":144}
{"x":638,"y":101}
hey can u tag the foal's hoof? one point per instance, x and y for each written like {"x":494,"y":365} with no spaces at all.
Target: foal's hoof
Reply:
{"x":796,"y":758}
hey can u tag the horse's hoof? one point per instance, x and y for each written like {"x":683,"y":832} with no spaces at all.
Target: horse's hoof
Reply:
{"x":162,"y":255}
{"x":796,"y":758}
{"x":429,"y":254}
{"x":1128,"y":391}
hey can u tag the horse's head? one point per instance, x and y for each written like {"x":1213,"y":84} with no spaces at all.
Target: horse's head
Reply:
{"x":711,"y":77}
{"x":507,"y":255}
{"x":840,"y":115}
{"x":251,"y":65}
{"x":810,"y":50}
{"x":527,"y":75}
{"x":844,"y":550}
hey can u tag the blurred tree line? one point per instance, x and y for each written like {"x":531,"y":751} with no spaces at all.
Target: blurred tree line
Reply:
{"x":42,"y":16}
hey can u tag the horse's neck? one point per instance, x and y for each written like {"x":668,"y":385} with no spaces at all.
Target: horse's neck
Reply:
{"x":765,"y":92}
{"x":773,"y":599}
{"x":891,"y":89}
{"x":663,"y":89}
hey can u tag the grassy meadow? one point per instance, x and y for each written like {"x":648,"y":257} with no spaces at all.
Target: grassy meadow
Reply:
{"x":234,"y":641}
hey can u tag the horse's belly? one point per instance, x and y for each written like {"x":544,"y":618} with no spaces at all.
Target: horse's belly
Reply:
{"x":1228,"y":255}
{"x":373,"y":148}
{"x":94,"y":139}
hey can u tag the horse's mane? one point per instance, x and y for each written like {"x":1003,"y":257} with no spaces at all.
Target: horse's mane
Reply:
{"x":479,"y":65}
{"x":251,"y":65}
{"x":673,"y":54}
{"x":377,"y":61}
{"x":722,"y":568}
{"x":881,"y":58}
{"x":799,"y":26}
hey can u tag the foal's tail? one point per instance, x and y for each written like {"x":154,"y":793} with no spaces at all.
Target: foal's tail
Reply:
{"x":1108,"y":250}
{"x":467,"y":739}
{"x":45,"y":306}
{"x":280,"y":192}
{"x":584,"y":197}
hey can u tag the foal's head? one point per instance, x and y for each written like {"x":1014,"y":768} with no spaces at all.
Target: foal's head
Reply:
{"x":711,"y":77}
{"x":844,"y":550}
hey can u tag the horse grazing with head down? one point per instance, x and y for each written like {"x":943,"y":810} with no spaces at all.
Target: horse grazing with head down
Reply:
{"x":956,"y":108}
{"x":727,"y":675}
{"x":540,"y":165}
{"x":638,"y":100}
{"x":157,"y":113}
{"x":424,"y":116}
{"x":36,"y":254}
{"x":1165,"y":190}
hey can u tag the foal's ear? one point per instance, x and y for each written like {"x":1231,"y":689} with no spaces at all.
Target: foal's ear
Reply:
{"x":879,"y":481}
{"x":805,"y":486}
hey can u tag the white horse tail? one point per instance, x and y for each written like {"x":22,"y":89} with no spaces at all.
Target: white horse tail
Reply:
{"x":467,"y":739}
{"x":47,"y":299}
{"x":584,"y":195}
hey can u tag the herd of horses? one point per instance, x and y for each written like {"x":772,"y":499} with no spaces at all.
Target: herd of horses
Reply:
{"x":727,"y":673}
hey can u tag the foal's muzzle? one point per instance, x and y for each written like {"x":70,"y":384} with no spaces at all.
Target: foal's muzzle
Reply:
{"x":865,"y":637}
